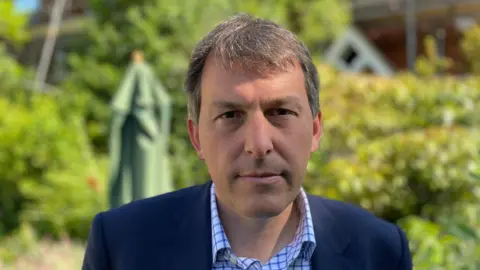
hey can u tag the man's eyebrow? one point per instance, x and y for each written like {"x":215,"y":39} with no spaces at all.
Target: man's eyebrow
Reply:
{"x":285,"y":101}
{"x":277,"y":102}
{"x":225,"y":104}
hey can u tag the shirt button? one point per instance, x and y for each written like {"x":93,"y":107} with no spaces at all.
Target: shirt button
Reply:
{"x":257,"y":265}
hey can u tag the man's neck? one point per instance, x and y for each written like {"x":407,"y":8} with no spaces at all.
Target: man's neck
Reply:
{"x":259,"y":238}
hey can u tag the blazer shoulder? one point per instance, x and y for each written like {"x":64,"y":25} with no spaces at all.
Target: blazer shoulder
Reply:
{"x":367,"y":231}
{"x":353,"y":217}
{"x":164,"y":205}
{"x":137,"y":220}
{"x":140,"y":226}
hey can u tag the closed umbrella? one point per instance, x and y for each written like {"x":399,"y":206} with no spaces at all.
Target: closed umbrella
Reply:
{"x":138,"y":142}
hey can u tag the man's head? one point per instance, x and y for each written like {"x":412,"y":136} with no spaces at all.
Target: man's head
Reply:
{"x":253,"y":113}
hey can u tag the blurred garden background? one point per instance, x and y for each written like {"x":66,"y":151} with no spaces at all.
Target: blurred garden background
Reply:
{"x":400,"y":97}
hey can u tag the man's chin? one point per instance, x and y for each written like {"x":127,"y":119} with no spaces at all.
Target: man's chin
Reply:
{"x":265,"y":210}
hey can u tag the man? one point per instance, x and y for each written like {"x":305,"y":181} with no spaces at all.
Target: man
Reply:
{"x":254,"y":119}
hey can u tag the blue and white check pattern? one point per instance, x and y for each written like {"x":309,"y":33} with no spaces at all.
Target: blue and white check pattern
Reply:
{"x":295,"y":256}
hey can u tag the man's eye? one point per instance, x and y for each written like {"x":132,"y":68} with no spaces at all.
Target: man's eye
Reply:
{"x":231,"y":114}
{"x":281,"y":112}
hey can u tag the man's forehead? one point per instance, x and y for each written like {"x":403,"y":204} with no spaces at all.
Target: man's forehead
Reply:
{"x":262,"y":92}
{"x":248,"y":68}
{"x":222,"y":87}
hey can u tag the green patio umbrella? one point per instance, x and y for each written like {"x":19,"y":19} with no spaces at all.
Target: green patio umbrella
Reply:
{"x":138,"y":143}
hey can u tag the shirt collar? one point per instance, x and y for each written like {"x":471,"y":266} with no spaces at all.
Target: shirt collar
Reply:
{"x":305,"y":233}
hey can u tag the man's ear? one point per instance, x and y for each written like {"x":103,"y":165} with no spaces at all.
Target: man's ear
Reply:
{"x":194,"y":138}
{"x":317,"y":131}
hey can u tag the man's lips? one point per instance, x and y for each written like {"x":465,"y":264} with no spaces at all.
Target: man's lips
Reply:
{"x":261,"y":177}
{"x":259,"y":174}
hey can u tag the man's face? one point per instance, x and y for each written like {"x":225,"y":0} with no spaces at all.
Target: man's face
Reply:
{"x":255,"y":134}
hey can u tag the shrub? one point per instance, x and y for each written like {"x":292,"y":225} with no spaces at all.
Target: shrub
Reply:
{"x":471,"y":47}
{"x":48,"y":178}
{"x":405,"y":149}
{"x":423,"y":172}
{"x":449,"y":245}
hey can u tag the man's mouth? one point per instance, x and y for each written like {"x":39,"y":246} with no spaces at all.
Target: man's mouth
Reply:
{"x":259,"y":174}
{"x":261,"y":177}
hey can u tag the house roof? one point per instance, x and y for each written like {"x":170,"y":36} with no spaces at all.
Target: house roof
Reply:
{"x":69,"y":26}
{"x":365,"y":55}
{"x":364,"y":10}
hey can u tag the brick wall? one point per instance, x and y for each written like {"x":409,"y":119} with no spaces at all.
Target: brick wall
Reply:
{"x":73,"y":8}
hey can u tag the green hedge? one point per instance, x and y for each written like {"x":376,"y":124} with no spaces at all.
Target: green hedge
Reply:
{"x":49,"y":177}
{"x":418,"y":172}
{"x":471,"y":47}
{"x":406,"y":149}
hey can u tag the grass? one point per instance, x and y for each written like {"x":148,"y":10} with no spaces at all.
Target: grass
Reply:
{"x":48,"y":255}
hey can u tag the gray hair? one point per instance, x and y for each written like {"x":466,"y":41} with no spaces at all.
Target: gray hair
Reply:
{"x":257,"y":46}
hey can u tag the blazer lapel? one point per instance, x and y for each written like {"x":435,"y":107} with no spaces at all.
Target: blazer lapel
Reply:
{"x":331,"y":240}
{"x":191,"y":247}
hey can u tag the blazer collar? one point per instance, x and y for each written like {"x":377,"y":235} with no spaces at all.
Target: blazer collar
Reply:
{"x":332,"y":240}
{"x":192,"y":242}
{"x":191,"y":247}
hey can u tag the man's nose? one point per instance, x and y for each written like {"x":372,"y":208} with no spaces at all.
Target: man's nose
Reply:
{"x":258,"y":141}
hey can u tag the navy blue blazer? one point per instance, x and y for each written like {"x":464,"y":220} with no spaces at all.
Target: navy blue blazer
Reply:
{"x":172,"y":232}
